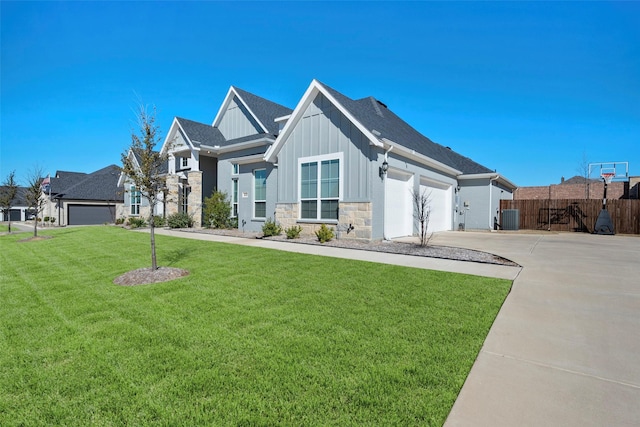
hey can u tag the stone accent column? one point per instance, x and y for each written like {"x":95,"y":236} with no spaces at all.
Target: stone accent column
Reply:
{"x":172,"y":194}
{"x":194,"y":199}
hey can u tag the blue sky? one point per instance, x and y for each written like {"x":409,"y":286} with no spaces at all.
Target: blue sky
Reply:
{"x":527,"y":88}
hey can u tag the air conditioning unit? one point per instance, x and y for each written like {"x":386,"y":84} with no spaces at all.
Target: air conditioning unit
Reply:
{"x":511,"y":219}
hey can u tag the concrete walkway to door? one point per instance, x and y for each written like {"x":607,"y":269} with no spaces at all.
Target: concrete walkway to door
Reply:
{"x":565,"y":347}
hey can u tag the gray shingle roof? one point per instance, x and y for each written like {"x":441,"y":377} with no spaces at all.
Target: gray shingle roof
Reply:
{"x":200,"y":133}
{"x":101,"y":185}
{"x":21,"y":196}
{"x":376,"y":116}
{"x":266,"y":111}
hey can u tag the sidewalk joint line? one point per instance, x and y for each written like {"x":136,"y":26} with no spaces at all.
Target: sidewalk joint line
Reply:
{"x":545,"y":365}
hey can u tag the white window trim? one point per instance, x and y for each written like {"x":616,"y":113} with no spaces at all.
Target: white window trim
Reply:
{"x":235,"y":169}
{"x":253,"y":209}
{"x":184,"y":162}
{"x":134,"y":195}
{"x":234,"y":197}
{"x":331,"y":156}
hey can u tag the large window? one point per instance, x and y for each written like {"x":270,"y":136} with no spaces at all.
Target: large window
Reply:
{"x":320,"y":189}
{"x":234,"y":197}
{"x":134,"y":200}
{"x":260,"y":193}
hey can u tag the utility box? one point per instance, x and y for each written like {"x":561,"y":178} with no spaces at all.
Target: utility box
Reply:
{"x":511,"y":219}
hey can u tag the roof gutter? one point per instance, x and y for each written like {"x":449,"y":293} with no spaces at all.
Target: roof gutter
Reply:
{"x":216,"y":149}
{"x":493,"y":176}
{"x":420,"y":158}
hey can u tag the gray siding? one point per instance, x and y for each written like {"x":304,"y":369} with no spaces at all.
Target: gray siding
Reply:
{"x":209,"y":168}
{"x":237,"y":121}
{"x":323,"y":129}
{"x":476,"y":193}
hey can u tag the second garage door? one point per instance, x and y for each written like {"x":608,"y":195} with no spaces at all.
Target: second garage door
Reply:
{"x":90,"y":214}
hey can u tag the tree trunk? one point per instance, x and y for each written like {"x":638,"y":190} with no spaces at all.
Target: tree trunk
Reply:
{"x":154,"y":264}
{"x":35,"y":226}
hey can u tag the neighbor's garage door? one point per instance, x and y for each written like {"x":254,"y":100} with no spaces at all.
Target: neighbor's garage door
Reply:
{"x":14,"y":215}
{"x":439,"y":202}
{"x":90,"y":214}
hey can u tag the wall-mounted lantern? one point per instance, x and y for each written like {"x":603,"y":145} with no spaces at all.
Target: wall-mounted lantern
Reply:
{"x":383,"y":169}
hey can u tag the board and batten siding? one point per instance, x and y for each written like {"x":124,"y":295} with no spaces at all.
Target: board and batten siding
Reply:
{"x":237,"y":121}
{"x":323,"y":129}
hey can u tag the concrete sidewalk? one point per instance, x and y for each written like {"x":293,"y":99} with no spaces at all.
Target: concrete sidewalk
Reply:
{"x":474,"y":268}
{"x":565,"y":347}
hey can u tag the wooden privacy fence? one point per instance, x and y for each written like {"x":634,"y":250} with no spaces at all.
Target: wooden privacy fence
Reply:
{"x":575,"y":214}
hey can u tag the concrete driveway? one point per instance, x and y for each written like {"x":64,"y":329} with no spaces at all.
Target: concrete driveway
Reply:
{"x":565,"y":347}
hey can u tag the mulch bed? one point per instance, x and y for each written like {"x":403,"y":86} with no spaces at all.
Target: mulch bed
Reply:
{"x":144,"y":276}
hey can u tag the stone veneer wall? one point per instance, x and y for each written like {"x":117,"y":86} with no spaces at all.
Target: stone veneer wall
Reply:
{"x":172,"y":194}
{"x":195,"y":197}
{"x":359,"y":215}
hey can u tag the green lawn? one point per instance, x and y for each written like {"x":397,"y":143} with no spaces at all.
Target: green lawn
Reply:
{"x":250,"y":337}
{"x":4,"y":228}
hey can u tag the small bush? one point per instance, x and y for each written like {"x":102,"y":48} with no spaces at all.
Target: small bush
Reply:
{"x":217,"y":210}
{"x":293,"y":232}
{"x":324,"y":234}
{"x":120,"y":221}
{"x":180,"y":220}
{"x":271,"y":228}
{"x":136,"y":222}
{"x":158,"y":221}
{"x":233,"y":222}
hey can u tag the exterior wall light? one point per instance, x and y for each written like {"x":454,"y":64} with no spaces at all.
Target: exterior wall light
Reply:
{"x":383,"y":169}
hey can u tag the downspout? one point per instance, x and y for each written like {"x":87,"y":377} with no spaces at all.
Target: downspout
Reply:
{"x":491,"y":180}
{"x":384,"y":199}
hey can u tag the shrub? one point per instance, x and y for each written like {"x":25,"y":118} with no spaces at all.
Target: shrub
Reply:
{"x":46,"y":219}
{"x":120,"y":221}
{"x":180,"y":220}
{"x":271,"y":228}
{"x":52,"y":219}
{"x":293,"y":232}
{"x":136,"y":222}
{"x":324,"y":234}
{"x":158,"y":221}
{"x":217,"y":210}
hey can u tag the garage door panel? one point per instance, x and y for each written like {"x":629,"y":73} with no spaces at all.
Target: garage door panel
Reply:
{"x":440,"y":204}
{"x":90,"y":214}
{"x":398,"y":205}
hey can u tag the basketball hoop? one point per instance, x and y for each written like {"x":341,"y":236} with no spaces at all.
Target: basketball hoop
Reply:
{"x":608,"y":176}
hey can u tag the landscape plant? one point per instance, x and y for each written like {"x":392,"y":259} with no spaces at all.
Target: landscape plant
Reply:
{"x":34,"y":197}
{"x":145,"y":167}
{"x":293,"y":232}
{"x":180,"y":220}
{"x":8,"y":192}
{"x":324,"y":233}
{"x":271,"y":228}
{"x":422,"y":214}
{"x":315,"y":341}
{"x":217,"y":210}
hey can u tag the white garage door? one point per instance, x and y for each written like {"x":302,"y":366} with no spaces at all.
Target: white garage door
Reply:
{"x":398,"y":206}
{"x":440,"y":203}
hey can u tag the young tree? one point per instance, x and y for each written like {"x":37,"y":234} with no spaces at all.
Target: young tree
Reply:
{"x":422,"y":212}
{"x":143,"y":166}
{"x":217,"y":210}
{"x":583,"y":171}
{"x":8,"y":193}
{"x":33,"y":195}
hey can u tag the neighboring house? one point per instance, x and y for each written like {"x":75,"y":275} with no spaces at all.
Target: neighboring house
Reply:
{"x":76,"y":198}
{"x":351,"y":164}
{"x":577,"y":188}
{"x":19,"y":210}
{"x":134,"y":205}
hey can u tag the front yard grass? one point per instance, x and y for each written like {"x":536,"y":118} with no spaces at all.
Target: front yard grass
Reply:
{"x":251,"y":337}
